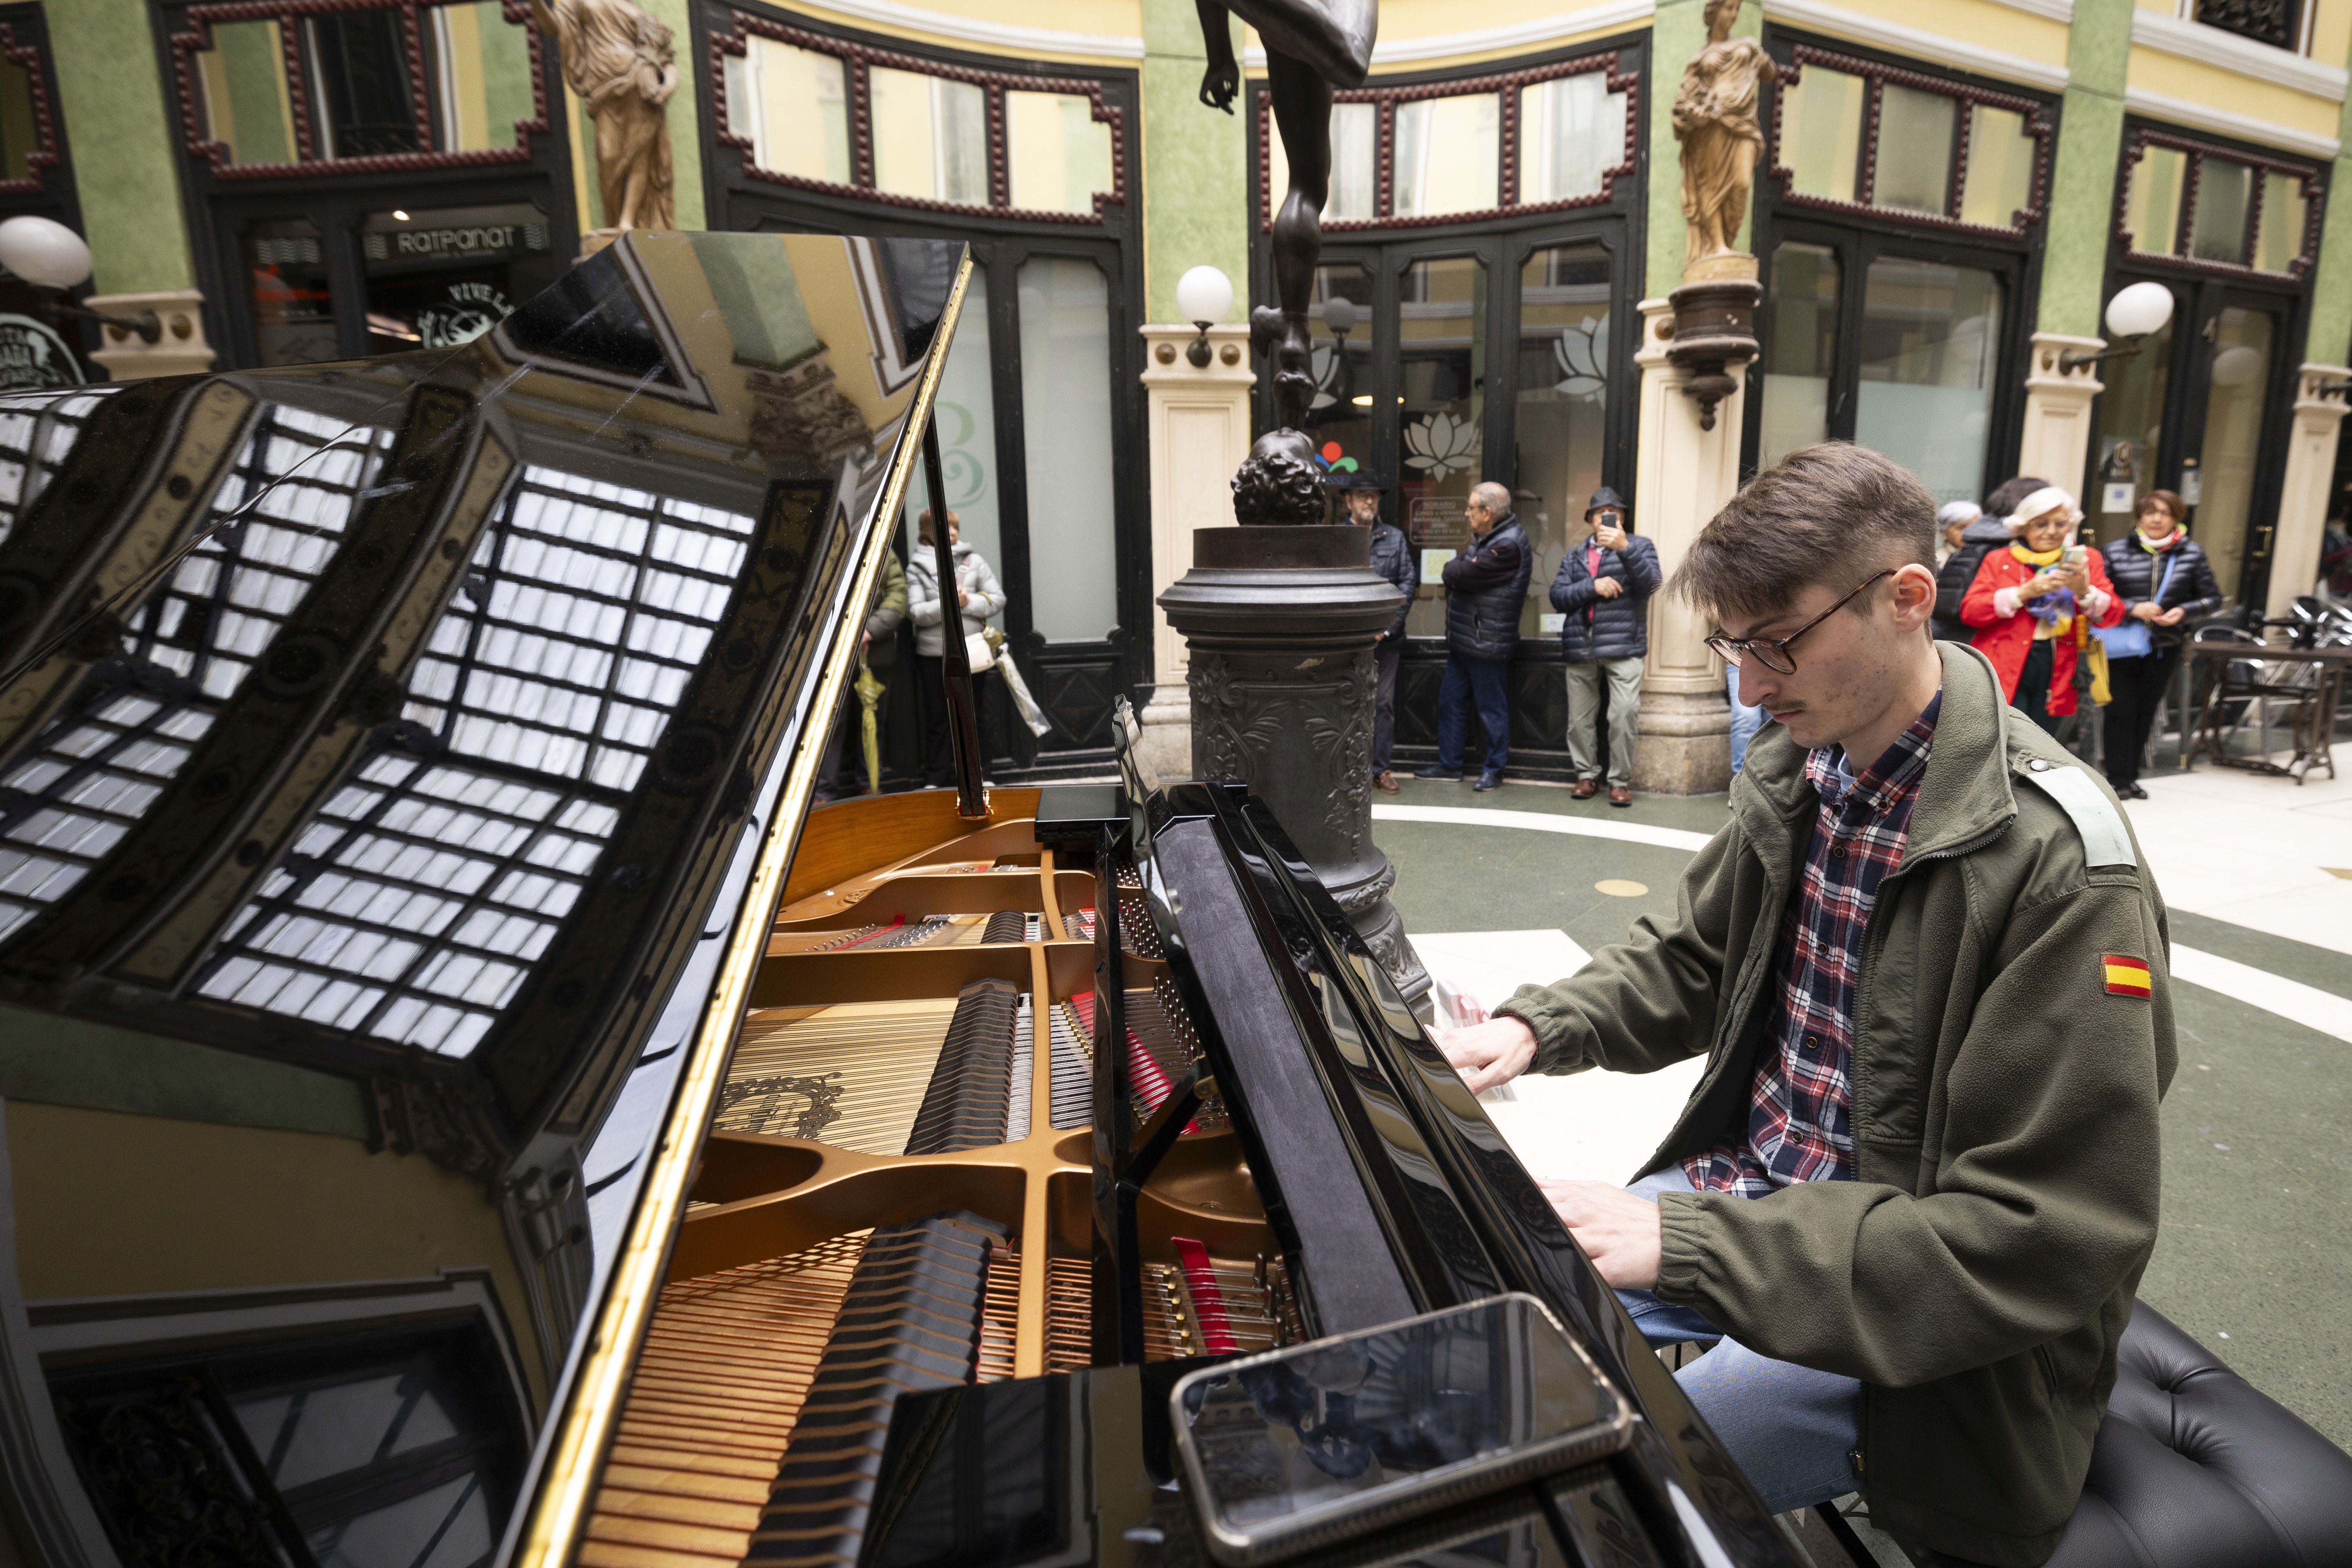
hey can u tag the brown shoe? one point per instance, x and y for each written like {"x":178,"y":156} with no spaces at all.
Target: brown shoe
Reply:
{"x":1620,"y":796}
{"x":1585,"y":789}
{"x":1387,"y":781}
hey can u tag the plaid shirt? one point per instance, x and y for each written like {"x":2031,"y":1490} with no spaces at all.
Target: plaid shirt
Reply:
{"x":1798,"y":1125}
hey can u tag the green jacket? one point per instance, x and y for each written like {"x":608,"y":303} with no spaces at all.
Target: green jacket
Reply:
{"x":886,"y":614}
{"x":1977,"y":1273}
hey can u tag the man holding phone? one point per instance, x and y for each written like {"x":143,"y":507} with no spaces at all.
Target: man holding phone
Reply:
{"x":1602,"y":590}
{"x":1915,"y":1190}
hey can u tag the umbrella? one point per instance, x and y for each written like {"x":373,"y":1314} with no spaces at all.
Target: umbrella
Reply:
{"x":869,"y":698}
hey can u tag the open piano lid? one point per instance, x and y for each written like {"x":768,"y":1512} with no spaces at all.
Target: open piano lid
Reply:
{"x":399,"y":765}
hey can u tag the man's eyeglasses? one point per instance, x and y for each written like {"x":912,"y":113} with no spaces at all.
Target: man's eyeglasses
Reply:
{"x":1772,"y":652}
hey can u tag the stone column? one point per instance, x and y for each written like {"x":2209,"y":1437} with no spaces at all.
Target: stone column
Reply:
{"x":1280,"y":622}
{"x":1683,"y":475}
{"x":181,"y":350}
{"x":2055,"y":444}
{"x":2302,"y":494}
{"x":1198,"y":430}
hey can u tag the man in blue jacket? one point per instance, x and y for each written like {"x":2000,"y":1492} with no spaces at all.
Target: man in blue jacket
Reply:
{"x":1486,"y":586}
{"x":1603,"y":593}
{"x":1392,"y":558}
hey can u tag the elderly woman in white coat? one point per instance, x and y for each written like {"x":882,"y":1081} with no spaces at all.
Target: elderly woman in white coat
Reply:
{"x":981,"y":600}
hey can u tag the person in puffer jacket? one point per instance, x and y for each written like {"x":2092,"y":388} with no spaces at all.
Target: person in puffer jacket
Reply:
{"x":2164,"y":581}
{"x":982,"y":599}
{"x":1486,"y":584}
{"x":1603,"y":592}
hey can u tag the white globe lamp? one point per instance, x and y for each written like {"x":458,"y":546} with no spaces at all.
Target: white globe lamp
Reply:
{"x":1203,"y":295}
{"x":2237,"y":366}
{"x":47,"y":255}
{"x":2139,"y":310}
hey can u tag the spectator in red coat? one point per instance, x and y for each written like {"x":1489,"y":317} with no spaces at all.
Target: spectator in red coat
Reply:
{"x":2032,"y":607}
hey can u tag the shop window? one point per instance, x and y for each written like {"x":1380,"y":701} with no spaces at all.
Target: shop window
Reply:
{"x":1572,"y":133}
{"x":1562,"y":406}
{"x":1441,"y":340}
{"x":2230,"y":451}
{"x":1448,"y":154}
{"x":1027,"y":145}
{"x":1998,"y":190}
{"x":481,"y":65}
{"x":2226,"y":211}
{"x":1340,"y":416}
{"x":930,"y":137}
{"x":1801,"y":351}
{"x":967,"y":426}
{"x":1066,"y":440}
{"x":1436,"y":153}
{"x":293,"y":303}
{"x":1931,"y":347}
{"x":413,"y":82}
{"x":22,"y":139}
{"x":438,"y":279}
{"x":2131,"y":429}
{"x":1849,"y":131}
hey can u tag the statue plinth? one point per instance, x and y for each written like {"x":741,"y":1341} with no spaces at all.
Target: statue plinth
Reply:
{"x":1715,"y":327}
{"x":1280,"y":624}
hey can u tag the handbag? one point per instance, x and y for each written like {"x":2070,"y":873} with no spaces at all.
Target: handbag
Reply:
{"x":2133,"y":639}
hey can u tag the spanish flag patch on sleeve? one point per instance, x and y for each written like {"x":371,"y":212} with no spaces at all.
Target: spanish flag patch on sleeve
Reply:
{"x":2125,"y":976}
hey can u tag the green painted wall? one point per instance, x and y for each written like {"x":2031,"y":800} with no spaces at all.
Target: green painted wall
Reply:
{"x":2083,"y":174}
{"x":2329,"y":339}
{"x":111,"y":94}
{"x":66,"y":1061}
{"x":1194,"y":191}
{"x":683,"y":111}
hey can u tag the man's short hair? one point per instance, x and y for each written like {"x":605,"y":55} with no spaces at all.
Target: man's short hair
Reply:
{"x":1492,"y":496}
{"x":1831,"y":514}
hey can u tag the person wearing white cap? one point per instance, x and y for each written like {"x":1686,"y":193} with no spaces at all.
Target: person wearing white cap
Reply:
{"x":2033,"y":604}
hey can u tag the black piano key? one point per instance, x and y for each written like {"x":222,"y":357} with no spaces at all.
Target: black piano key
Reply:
{"x":971,"y":1085}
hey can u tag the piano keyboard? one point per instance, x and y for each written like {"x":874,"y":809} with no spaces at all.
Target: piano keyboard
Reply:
{"x":892,"y":1197}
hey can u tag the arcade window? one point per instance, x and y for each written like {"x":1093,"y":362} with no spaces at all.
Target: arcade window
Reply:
{"x":830,"y":114}
{"x":2215,"y":208}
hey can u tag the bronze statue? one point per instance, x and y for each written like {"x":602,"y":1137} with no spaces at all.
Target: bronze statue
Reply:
{"x":1280,"y":481}
{"x":1715,"y":120}
{"x":618,"y":59}
{"x":1311,"y":48}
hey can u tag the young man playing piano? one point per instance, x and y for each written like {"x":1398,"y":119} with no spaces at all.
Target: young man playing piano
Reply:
{"x":1916,"y":1185}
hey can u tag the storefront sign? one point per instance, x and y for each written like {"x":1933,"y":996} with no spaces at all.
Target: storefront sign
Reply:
{"x":33,"y":358}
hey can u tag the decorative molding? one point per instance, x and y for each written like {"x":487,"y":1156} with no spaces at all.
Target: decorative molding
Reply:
{"x":859,"y":60}
{"x":2180,"y":112}
{"x":2059,"y":11}
{"x":1009,"y":35}
{"x":1904,"y":40}
{"x":2037,"y":125}
{"x":1506,"y":86}
{"x":2214,"y":47}
{"x":1542,"y":32}
{"x":2315,"y":191}
{"x":199,"y":37}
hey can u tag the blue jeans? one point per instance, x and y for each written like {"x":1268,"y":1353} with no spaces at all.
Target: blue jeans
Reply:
{"x":1745,"y":721}
{"x":1790,"y":1428}
{"x":1486,"y":680}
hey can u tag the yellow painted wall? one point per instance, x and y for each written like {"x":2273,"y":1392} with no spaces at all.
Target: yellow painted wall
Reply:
{"x":1977,"y":22}
{"x":2214,"y":87}
{"x":111,"y":1205}
{"x":2331,"y":32}
{"x":1120,"y":21}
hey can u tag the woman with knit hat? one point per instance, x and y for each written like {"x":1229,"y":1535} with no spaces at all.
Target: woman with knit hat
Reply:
{"x":2033,"y":604}
{"x":2165,"y":582}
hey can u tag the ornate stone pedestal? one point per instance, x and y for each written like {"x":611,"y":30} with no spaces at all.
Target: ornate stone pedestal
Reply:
{"x":1279,"y":622}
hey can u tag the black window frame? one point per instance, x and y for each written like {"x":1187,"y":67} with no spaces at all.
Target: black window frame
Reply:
{"x":221,"y":198}
{"x":1858,"y":234}
{"x":1075,"y":682}
{"x":1503,"y":237}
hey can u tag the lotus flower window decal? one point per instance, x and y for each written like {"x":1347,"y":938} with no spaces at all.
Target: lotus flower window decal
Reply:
{"x":1441,"y":444}
{"x":1581,"y":351}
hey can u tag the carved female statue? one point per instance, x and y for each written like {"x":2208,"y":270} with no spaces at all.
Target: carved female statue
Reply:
{"x":1311,"y":48}
{"x":1715,"y":120}
{"x":617,"y":59}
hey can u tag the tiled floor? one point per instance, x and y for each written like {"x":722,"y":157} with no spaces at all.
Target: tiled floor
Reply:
{"x":2253,"y":850}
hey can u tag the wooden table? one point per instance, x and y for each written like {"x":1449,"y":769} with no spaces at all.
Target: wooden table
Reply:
{"x":2314,"y":710}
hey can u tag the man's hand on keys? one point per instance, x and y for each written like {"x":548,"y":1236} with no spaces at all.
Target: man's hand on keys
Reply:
{"x":1496,"y":1051}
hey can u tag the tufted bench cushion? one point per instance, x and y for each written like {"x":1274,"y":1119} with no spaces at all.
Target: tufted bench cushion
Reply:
{"x":2195,"y":1468}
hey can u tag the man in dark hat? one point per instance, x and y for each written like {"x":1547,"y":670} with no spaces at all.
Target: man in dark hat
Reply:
{"x":1392,"y":558}
{"x":1603,"y":592}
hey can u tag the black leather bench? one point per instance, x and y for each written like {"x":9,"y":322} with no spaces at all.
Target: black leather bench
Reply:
{"x":2196,"y":1468}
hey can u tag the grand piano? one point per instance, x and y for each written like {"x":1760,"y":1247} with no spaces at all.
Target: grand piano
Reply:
{"x":464,"y":1105}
